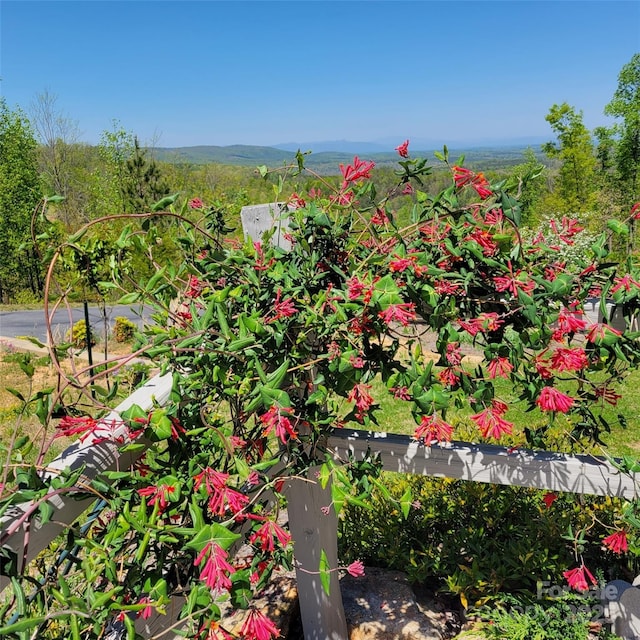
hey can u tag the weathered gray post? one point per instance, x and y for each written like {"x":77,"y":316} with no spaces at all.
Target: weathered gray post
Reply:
{"x":312,"y":532}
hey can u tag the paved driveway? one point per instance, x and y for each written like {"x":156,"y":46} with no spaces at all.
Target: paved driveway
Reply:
{"x":15,"y":324}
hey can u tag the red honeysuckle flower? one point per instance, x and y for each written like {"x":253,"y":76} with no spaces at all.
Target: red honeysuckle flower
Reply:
{"x":400,"y":393}
{"x":359,"y":170}
{"x":194,"y":287}
{"x":404,"y":313}
{"x":569,"y":228}
{"x":462,"y":176}
{"x":495,"y":216}
{"x":569,"y":359}
{"x":514,"y":282}
{"x":260,"y":264}
{"x":550,"y":399}
{"x":258,"y":627}
{"x":362,"y":398}
{"x":481,"y":186}
{"x":449,"y":376}
{"x":158,"y":494}
{"x":145,"y":613}
{"x":542,"y":367}
{"x":213,"y":480}
{"x":268,"y":533}
{"x":281,"y":308}
{"x":400,"y":264}
{"x":407,"y":189}
{"x":549,"y":498}
{"x":599,"y":332}
{"x":380,"y":217}
{"x":579,"y":578}
{"x":355,"y":288}
{"x":491,"y":423}
{"x":608,"y":395}
{"x":296,"y":201}
{"x":499,"y":367}
{"x":454,"y":354}
{"x":276,"y":419}
{"x":72,"y":426}
{"x":489,"y":321}
{"x":625,"y":282}
{"x":356,"y":569}
{"x":361,"y":325}
{"x":499,"y":407}
{"x":485,"y":239}
{"x":617,"y":542}
{"x":569,"y":321}
{"x":551,"y":271}
{"x":443,"y":287}
{"x":635,"y":211}
{"x":216,"y":570}
{"x":333,"y":350}
{"x":221,"y":496}
{"x":403,"y":149}
{"x":433,"y":429}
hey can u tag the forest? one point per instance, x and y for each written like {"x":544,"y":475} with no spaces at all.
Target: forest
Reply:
{"x":51,"y":184}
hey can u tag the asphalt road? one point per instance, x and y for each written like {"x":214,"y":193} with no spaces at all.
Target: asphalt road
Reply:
{"x":16,"y":324}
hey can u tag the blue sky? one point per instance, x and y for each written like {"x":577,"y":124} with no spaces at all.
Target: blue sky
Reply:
{"x":269,"y":72}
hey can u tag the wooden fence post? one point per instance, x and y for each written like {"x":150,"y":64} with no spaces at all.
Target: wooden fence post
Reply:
{"x":313,"y":532}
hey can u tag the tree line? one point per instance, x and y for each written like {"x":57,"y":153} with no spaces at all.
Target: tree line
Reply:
{"x":587,"y":175}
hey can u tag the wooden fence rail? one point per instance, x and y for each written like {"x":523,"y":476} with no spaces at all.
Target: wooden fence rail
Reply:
{"x":21,"y":532}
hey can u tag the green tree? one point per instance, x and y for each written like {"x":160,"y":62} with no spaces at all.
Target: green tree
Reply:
{"x":115,"y":148}
{"x":605,"y":150}
{"x":625,"y":105}
{"x":574,"y":150}
{"x":20,"y":193}
{"x":144,"y":183}
{"x":532,"y":180}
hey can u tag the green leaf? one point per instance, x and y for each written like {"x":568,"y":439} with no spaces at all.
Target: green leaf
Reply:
{"x":164,"y":202}
{"x":338,"y":497}
{"x":129,"y":298}
{"x":213,"y":533}
{"x":45,"y":511}
{"x":276,"y":378}
{"x":325,"y":573}
{"x":618,"y":227}
{"x":276,"y":397}
{"x":36,"y":342}
{"x":406,"y":502}
{"x":160,"y":425}
{"x":15,"y":393}
{"x":325,"y":475}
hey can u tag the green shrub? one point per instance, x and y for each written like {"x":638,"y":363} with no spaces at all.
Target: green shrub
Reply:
{"x":123,"y":329}
{"x":134,"y":375}
{"x":567,"y":618}
{"x":78,"y":335}
{"x":474,"y":540}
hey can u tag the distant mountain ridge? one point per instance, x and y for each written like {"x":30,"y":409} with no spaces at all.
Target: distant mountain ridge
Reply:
{"x":327,"y":156}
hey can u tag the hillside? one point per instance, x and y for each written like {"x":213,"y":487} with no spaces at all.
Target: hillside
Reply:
{"x":328,"y":161}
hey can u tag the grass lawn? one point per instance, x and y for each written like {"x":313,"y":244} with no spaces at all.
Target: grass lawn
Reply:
{"x":393,"y":415}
